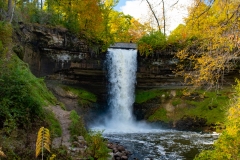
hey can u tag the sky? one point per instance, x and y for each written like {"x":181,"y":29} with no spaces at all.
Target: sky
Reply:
{"x":139,"y":10}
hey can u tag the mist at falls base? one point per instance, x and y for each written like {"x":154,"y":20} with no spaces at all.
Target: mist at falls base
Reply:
{"x":143,"y":140}
{"x":121,"y":73}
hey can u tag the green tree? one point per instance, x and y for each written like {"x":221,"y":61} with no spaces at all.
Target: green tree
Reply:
{"x":151,"y":42}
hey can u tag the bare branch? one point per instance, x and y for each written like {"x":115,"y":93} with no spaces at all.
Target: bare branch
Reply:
{"x":208,"y":8}
{"x":164,"y":20}
{"x":150,"y":6}
{"x":175,"y":3}
{"x":236,"y":11}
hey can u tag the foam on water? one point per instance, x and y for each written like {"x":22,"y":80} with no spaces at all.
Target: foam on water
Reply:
{"x":164,"y":145}
{"x":144,"y":141}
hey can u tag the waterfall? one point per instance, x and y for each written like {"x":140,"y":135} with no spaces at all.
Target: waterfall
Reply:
{"x":121,"y":73}
{"x":122,"y":67}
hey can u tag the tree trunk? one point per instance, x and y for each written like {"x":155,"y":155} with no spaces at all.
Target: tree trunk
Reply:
{"x":9,"y":12}
{"x":164,"y":19}
{"x":41,"y":4}
{"x":159,"y":28}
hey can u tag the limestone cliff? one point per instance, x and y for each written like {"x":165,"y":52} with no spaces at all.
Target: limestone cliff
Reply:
{"x":56,"y":53}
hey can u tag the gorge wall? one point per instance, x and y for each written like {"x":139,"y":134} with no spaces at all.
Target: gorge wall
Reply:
{"x":56,"y":53}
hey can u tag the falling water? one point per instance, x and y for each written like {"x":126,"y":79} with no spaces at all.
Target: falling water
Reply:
{"x":122,"y":67}
{"x":142,"y":140}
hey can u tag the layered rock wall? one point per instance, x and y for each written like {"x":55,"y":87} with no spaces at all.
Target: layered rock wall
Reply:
{"x":58,"y":54}
{"x":157,"y":71}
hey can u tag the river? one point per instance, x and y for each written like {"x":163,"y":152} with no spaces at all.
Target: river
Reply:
{"x":140,"y":139}
{"x":163,"y":144}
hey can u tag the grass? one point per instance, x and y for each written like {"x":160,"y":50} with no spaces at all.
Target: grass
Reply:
{"x":144,"y":96}
{"x":210,"y":105}
{"x":213,"y":107}
{"x":159,"y":115}
{"x":84,"y":97}
{"x":176,"y":101}
{"x":41,"y":92}
{"x":54,"y":125}
{"x":36,"y":86}
{"x":76,"y":127}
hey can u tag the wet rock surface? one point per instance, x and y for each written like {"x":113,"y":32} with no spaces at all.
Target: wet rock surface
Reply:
{"x":190,"y":123}
{"x":118,"y":151}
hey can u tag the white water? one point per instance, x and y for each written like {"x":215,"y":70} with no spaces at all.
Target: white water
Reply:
{"x":164,"y":145}
{"x":122,"y":67}
{"x":141,"y":139}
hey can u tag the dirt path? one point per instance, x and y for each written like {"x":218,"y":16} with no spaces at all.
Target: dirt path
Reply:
{"x":64,"y":120}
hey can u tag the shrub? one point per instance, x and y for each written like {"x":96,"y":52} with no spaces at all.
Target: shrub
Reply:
{"x":5,"y":33}
{"x":77,"y":126}
{"x":150,"y":42}
{"x":22,"y":95}
{"x":97,"y":146}
{"x":54,"y":125}
{"x":228,"y":144}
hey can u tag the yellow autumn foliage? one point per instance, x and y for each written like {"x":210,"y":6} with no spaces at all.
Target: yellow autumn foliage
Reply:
{"x":43,"y":141}
{"x":214,"y":43}
{"x":228,"y":144}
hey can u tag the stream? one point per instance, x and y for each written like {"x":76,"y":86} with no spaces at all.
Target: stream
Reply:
{"x":163,"y":144}
{"x":119,"y":125}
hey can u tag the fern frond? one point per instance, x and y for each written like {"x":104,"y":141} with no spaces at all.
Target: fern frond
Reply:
{"x":38,"y":152}
{"x":43,"y":141}
{"x":46,"y":146}
{"x":2,"y":153}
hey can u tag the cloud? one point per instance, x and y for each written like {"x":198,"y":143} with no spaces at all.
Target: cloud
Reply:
{"x":174,"y":14}
{"x":135,"y":8}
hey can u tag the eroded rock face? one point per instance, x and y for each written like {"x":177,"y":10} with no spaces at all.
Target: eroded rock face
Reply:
{"x":157,"y":71}
{"x":48,"y":50}
{"x":57,"y":54}
{"x":191,"y":123}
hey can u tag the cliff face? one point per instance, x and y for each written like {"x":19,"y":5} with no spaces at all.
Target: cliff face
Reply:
{"x":57,"y":54}
{"x":157,"y":71}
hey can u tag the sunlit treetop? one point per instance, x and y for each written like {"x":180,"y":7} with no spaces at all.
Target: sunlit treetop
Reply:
{"x":212,"y":42}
